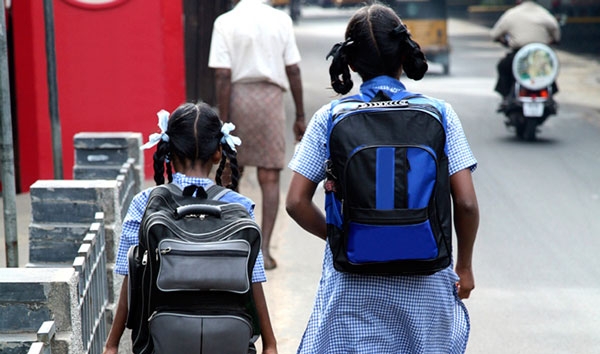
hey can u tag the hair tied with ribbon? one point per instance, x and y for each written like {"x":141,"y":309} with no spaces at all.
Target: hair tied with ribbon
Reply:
{"x":403,"y":34}
{"x":229,"y":139}
{"x":155,"y":138}
{"x":401,"y":31}
{"x":335,"y":50}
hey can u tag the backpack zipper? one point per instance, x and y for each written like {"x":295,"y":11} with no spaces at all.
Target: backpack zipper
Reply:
{"x":204,"y":253}
{"x":161,"y":219}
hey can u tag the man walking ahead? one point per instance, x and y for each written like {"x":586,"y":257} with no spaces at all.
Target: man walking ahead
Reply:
{"x":255,"y":57}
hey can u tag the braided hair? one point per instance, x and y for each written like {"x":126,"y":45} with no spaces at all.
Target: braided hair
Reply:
{"x":194,"y":132}
{"x":377,"y":43}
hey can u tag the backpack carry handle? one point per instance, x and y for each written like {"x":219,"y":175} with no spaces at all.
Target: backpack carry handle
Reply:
{"x":197,"y":209}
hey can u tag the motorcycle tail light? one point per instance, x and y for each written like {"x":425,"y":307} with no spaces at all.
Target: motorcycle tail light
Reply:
{"x":523,"y":92}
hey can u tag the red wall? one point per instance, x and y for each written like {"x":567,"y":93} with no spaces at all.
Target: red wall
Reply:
{"x":117,"y":65}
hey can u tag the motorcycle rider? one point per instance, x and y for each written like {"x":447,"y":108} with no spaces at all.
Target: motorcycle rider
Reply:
{"x":528,"y":22}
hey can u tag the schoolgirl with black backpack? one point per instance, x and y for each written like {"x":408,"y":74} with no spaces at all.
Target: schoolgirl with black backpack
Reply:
{"x":190,"y":249}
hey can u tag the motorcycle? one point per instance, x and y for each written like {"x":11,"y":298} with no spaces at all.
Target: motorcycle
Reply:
{"x":531,"y":99}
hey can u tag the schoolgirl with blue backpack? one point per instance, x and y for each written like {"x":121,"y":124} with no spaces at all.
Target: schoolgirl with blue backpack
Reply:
{"x":396,"y":170}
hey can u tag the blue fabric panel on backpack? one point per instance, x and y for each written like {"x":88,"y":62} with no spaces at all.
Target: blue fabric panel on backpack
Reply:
{"x":421,"y":177}
{"x":385,"y":175}
{"x":381,"y":243}
{"x":332,"y":210}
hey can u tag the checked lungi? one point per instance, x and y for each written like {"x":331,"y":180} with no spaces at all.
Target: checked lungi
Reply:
{"x":257,"y":111}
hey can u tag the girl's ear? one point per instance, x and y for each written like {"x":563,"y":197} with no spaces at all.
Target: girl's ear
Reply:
{"x":216,"y":157}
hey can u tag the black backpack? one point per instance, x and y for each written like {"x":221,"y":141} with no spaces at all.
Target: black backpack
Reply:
{"x":190,"y":277}
{"x":387,"y":203}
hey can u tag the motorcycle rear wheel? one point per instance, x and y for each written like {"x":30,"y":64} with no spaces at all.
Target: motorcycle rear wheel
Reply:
{"x":527,"y":130}
{"x":530,"y":130}
{"x":516,"y":119}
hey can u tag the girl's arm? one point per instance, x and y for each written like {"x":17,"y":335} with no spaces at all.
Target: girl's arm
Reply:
{"x":302,"y":209}
{"x":466,"y":222}
{"x":118,"y":325}
{"x":269,"y":343}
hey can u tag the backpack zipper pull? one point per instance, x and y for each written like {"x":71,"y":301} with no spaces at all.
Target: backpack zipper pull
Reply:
{"x":145,"y":258}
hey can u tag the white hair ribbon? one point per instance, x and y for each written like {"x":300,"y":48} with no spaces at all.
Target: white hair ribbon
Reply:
{"x":229,"y":139}
{"x":163,"y":122}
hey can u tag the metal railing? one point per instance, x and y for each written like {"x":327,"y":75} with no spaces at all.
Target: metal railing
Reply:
{"x":93,"y":287}
{"x":45,"y":335}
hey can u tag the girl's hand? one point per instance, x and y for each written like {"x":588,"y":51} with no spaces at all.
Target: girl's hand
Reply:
{"x":269,"y":351}
{"x":110,"y":350}
{"x":466,"y":283}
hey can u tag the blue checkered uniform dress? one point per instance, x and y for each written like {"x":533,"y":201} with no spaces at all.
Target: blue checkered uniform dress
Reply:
{"x":383,"y":314}
{"x":131,"y":223}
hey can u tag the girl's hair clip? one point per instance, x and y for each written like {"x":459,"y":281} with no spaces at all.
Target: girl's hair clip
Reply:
{"x":229,"y":139}
{"x":155,"y":138}
{"x":401,"y":31}
{"x":339,"y":46}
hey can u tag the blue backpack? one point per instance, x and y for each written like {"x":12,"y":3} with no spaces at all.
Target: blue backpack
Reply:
{"x":387,"y":200}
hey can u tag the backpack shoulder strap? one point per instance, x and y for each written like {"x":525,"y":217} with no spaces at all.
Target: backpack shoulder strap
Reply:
{"x":171,"y":187}
{"x":216,"y":192}
{"x":345,"y":104}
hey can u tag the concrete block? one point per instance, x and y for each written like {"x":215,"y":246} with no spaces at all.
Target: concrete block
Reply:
{"x":55,"y":243}
{"x":63,"y":191}
{"x":22,"y":343}
{"x":73,"y":201}
{"x":50,"y":211}
{"x":16,"y":317}
{"x":14,"y":347}
{"x":50,"y":290}
{"x":22,"y":292}
{"x":95,"y":172}
{"x":112,"y":242}
{"x":107,"y":148}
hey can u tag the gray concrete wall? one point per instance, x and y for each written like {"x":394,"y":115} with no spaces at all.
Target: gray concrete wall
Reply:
{"x":110,"y":168}
{"x":101,"y":155}
{"x":31,"y":296}
{"x":62,"y":211}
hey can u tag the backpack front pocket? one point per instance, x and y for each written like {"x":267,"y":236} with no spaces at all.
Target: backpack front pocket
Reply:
{"x":390,"y":235}
{"x":178,"y":332}
{"x":211,"y":266}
